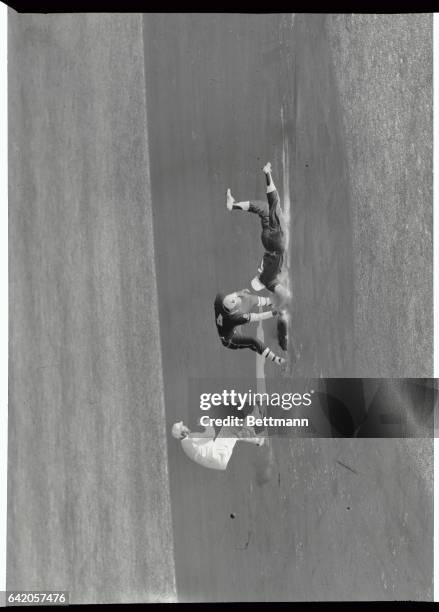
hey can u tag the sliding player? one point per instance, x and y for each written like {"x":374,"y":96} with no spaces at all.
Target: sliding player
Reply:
{"x":273,"y":240}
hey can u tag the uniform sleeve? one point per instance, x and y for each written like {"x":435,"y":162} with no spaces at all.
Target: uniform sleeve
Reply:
{"x":241,"y":319}
{"x":262,"y":316}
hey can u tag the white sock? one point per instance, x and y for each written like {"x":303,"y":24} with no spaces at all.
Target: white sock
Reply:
{"x":241,"y":205}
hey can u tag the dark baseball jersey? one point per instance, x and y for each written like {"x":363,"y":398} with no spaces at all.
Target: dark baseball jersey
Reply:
{"x":226,"y":322}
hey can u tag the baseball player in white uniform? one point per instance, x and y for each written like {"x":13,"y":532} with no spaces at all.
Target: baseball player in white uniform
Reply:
{"x":211,"y":452}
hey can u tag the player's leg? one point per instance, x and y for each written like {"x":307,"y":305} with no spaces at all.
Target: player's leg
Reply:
{"x":232,"y":204}
{"x":282,"y":329}
{"x":243,"y":342}
{"x":272,"y":197}
{"x":271,"y":269}
{"x":282,"y":299}
{"x":272,"y":193}
{"x":273,"y":235}
{"x":256,"y":280}
{"x":270,"y":278}
{"x":257,"y":207}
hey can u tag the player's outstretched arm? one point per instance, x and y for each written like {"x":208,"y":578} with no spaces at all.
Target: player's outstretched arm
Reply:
{"x":262,"y":316}
{"x":257,"y":300}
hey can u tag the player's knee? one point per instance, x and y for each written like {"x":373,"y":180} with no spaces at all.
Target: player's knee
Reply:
{"x":273,"y":197}
{"x":259,"y":347}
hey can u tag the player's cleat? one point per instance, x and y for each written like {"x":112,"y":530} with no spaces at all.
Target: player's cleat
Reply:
{"x":267,"y":168}
{"x":282,"y":331}
{"x":230,"y":200}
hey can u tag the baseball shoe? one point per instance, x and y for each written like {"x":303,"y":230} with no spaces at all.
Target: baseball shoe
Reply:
{"x":230,"y":200}
{"x":267,"y":168}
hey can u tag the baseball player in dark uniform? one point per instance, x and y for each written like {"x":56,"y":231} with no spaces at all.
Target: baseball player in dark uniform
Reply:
{"x":273,"y":240}
{"x":232,"y":311}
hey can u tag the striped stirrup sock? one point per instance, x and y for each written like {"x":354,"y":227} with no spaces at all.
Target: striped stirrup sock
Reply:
{"x":270,"y":355}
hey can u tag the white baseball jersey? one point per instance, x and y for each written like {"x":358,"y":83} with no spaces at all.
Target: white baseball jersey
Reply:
{"x":213,"y":454}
